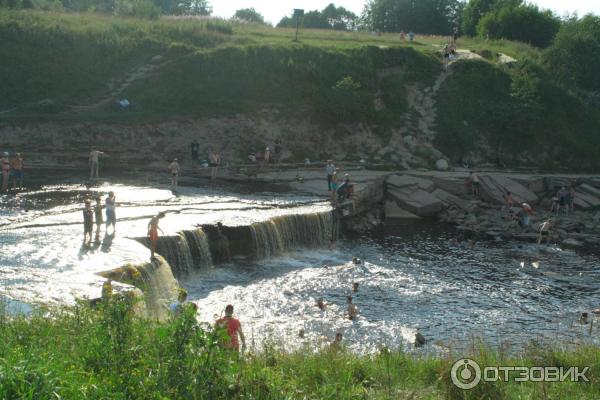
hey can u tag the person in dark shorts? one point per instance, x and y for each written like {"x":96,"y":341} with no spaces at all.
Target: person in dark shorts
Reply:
{"x":111,"y":217}
{"x":88,"y":222}
{"x":98,"y":216}
{"x":17,"y":170}
{"x":544,"y":230}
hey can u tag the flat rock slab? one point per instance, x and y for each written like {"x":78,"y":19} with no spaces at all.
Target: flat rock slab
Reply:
{"x":451,"y":200}
{"x":417,"y":201}
{"x":590,"y":190}
{"x":455,"y":186}
{"x":582,"y":198}
{"x":402,"y":181}
{"x":493,"y":189}
{"x":392,"y":211}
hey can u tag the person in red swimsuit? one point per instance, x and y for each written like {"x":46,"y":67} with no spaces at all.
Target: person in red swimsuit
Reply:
{"x":233,"y":327}
{"x":153,"y":232}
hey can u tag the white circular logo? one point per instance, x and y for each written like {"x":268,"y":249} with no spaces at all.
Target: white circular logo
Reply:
{"x":465,"y":374}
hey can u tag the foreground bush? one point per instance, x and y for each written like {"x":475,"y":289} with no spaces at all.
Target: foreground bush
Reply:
{"x":84,"y":353}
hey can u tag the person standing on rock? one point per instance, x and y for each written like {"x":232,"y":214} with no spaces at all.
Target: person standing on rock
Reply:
{"x":544,"y":230}
{"x":17,"y":167}
{"x":98,"y":216}
{"x":175,"y":170}
{"x":277,"y":151}
{"x":267,"y":156}
{"x":94,"y":163}
{"x":475,"y":184}
{"x":233,"y":327}
{"x":88,"y":222}
{"x":329,"y":171}
{"x":153,"y":232}
{"x":110,"y":206}
{"x":5,"y":165}
{"x":563,"y":200}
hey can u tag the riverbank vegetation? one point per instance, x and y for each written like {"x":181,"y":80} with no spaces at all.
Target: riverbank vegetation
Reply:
{"x":107,"y":352}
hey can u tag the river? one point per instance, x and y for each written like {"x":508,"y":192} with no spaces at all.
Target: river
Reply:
{"x":411,"y":277}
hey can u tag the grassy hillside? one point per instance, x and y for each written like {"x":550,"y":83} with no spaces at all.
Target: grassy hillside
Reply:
{"x":73,"y":68}
{"x":81,"y":353}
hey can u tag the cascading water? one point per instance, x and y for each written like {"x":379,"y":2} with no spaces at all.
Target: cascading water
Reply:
{"x":199,"y":248}
{"x":176,"y":250}
{"x":288,"y":232}
{"x":160,"y":287}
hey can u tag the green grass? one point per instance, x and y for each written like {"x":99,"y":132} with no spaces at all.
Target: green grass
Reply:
{"x":108,"y":352}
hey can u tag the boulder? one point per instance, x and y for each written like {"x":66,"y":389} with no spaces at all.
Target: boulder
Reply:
{"x":493,"y":189}
{"x":442,"y":165}
{"x":589,"y":190}
{"x":455,"y":186}
{"x":417,"y":201}
{"x":534,"y":183}
{"x":392,"y":211}
{"x":451,"y":200}
{"x":592,"y":201}
{"x":403,"y":181}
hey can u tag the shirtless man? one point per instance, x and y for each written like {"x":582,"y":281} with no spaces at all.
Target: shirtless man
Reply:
{"x":544,"y":230}
{"x":17,"y":166}
{"x":214,"y":161}
{"x":175,"y":170}
{"x":153,"y":232}
{"x":94,"y":163}
{"x":336,"y":345}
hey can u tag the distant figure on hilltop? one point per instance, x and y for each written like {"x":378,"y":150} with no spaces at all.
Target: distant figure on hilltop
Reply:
{"x":94,"y":163}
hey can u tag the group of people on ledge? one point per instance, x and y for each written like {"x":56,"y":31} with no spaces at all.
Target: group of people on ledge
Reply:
{"x":340,"y":189}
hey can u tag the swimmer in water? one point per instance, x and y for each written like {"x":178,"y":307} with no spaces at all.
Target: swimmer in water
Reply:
{"x":355,"y":287}
{"x":337,"y":343}
{"x":321,"y":304}
{"x":352,"y":310}
{"x":583,"y":319}
{"x":356,"y":261}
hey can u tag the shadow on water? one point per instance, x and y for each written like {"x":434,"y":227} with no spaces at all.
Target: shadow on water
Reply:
{"x":107,"y":242}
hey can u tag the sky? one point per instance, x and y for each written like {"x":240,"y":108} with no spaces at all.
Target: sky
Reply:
{"x":274,"y":10}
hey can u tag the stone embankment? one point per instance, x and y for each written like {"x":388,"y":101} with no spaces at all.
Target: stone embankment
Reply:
{"x":447,"y":197}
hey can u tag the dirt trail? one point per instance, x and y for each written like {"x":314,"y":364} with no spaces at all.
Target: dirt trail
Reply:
{"x":117,"y":86}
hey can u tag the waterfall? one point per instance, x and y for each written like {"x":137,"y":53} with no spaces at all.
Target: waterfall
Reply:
{"x":160,"y":288}
{"x":212,"y":244}
{"x":155,"y":279}
{"x":288,"y":232}
{"x":177,"y":252}
{"x":199,"y":248}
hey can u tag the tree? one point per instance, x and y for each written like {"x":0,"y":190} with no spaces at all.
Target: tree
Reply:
{"x":249,"y":15}
{"x":423,"y":16}
{"x":331,"y":17}
{"x":476,"y":9}
{"x":575,"y":54}
{"x":525,"y":23}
